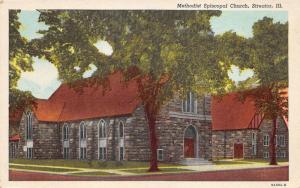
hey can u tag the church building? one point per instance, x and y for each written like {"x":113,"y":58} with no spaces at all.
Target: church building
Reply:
{"x":111,"y":125}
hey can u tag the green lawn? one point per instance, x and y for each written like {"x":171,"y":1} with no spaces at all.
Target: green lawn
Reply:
{"x":41,"y":168}
{"x":86,"y":164}
{"x":162,"y":170}
{"x":244,"y":161}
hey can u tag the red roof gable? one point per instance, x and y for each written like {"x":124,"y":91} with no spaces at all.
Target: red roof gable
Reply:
{"x":67,"y":105}
{"x":14,"y":138}
{"x":229,"y":113}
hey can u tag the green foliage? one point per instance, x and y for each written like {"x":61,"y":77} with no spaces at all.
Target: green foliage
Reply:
{"x":19,"y":100}
{"x":19,"y":60}
{"x":270,"y":51}
{"x":174,"y":46}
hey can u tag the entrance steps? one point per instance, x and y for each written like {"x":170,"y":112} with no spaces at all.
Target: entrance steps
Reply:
{"x":194,"y":162}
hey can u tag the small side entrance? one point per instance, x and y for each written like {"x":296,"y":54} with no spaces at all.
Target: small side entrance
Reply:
{"x":238,"y":150}
{"x":189,"y":148}
{"x":190,"y":141}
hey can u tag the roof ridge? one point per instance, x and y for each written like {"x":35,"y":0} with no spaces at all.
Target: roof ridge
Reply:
{"x":62,"y":109}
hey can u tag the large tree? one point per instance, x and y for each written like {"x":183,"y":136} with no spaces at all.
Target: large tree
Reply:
{"x":19,"y":60}
{"x":166,"y":52}
{"x":266,"y":53}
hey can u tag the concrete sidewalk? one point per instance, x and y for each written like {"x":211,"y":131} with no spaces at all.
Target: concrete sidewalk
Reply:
{"x":122,"y":172}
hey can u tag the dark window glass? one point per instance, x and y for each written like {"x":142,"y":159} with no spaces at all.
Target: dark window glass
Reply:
{"x":121,"y":153}
{"x":121,"y":129}
{"x":66,"y":153}
{"x":29,"y":153}
{"x":66,"y":132}
{"x":160,"y":154}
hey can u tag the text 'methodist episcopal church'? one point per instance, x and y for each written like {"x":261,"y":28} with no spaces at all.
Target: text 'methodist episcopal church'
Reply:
{"x":88,"y":125}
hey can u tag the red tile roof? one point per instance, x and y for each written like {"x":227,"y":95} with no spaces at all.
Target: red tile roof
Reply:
{"x":68,"y":105}
{"x":230,"y":113}
{"x":14,"y":138}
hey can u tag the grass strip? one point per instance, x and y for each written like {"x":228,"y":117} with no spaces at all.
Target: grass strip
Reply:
{"x":41,"y":168}
{"x":88,"y":164}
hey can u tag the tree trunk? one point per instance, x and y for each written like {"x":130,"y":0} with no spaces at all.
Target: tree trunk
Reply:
{"x":273,"y":160}
{"x":151,"y":117}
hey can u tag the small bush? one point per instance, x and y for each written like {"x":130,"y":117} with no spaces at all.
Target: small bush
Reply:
{"x":102,"y":164}
{"x":90,"y":163}
{"x":119,"y":163}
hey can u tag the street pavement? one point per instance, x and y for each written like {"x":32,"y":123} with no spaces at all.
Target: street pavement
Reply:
{"x":278,"y":173}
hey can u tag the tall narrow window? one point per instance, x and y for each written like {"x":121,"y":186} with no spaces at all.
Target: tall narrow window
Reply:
{"x":102,"y":153}
{"x":66,"y":132}
{"x":190,"y":103}
{"x":102,"y":129}
{"x":82,"y":143}
{"x":266,"y":140}
{"x":66,"y":152}
{"x":28,"y":126}
{"x":121,"y":130}
{"x":266,"y":154}
{"x":281,"y":141}
{"x":160,"y":156}
{"x":82,"y":153}
{"x":29,"y":153}
{"x":121,"y":153}
{"x":82,"y":131}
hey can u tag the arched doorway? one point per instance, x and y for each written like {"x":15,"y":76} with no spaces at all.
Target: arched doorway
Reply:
{"x":190,"y":142}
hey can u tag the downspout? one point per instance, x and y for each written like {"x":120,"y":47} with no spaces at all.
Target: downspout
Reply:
{"x":225,"y":137}
{"x":113,"y":142}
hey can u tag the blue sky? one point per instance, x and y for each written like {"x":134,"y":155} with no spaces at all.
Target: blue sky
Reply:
{"x":43,"y":81}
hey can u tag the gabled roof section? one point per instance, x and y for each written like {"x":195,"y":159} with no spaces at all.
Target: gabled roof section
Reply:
{"x":66,"y":104}
{"x":230,"y":113}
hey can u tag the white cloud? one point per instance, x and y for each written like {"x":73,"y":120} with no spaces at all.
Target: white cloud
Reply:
{"x":42,"y":81}
{"x":90,"y":72}
{"x":77,"y":68}
{"x":104,"y":47}
{"x":237,"y":75}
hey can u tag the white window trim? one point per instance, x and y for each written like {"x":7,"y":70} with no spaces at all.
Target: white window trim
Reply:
{"x":104,"y":157}
{"x":84,"y":153}
{"x":121,"y":140}
{"x":184,"y":101}
{"x":268,"y":140}
{"x":27,"y":153}
{"x":121,"y":123}
{"x":28,"y":126}
{"x":82,"y":124}
{"x":281,"y":144}
{"x":120,"y":153}
{"x":63,"y":132}
{"x":162,"y":154}
{"x":67,"y":153}
{"x":102,"y":125}
{"x":266,"y":155}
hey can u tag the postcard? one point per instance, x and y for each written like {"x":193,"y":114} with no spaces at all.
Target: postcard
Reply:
{"x":174,"y":93}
